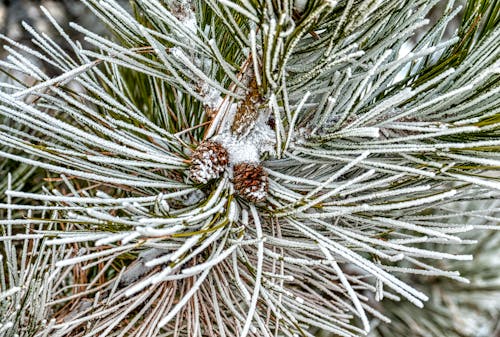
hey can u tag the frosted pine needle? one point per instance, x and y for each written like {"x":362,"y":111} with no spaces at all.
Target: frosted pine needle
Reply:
{"x":247,"y":168}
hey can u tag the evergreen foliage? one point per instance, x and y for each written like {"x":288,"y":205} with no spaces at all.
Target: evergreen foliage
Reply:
{"x":362,"y":152}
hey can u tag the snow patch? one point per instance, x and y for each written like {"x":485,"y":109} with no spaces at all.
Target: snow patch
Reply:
{"x":190,"y":23}
{"x":250,"y":148}
{"x":240,"y":151}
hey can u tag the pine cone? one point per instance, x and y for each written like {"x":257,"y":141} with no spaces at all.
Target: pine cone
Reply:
{"x":208,"y":161}
{"x":250,"y":181}
{"x":247,"y":111}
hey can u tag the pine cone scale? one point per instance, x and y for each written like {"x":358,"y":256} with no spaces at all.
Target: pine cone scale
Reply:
{"x":208,"y":162}
{"x":251,"y":181}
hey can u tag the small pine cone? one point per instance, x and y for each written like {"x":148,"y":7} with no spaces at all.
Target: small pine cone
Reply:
{"x":247,"y":111}
{"x":208,"y":161}
{"x":250,"y":181}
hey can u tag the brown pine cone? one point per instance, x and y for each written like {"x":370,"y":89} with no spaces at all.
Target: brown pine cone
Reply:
{"x":208,"y":161}
{"x":250,"y":181}
{"x":247,"y":111}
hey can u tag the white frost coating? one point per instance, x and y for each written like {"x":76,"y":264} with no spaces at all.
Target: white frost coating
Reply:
{"x":258,"y":273}
{"x":244,"y":217}
{"x":111,"y":238}
{"x":234,"y":212}
{"x":299,"y":299}
{"x":186,"y":16}
{"x":149,"y":231}
{"x":6,"y":326}
{"x":9,"y":292}
{"x":177,"y":52}
{"x":209,"y":264}
{"x":211,"y":97}
{"x":239,"y":151}
{"x":250,"y":148}
{"x":368,"y":132}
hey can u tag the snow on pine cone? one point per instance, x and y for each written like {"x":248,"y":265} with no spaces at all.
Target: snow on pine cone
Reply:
{"x":247,"y":111}
{"x":208,"y":161}
{"x":250,"y":181}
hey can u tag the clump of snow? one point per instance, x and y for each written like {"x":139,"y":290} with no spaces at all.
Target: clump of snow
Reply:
{"x":240,"y":151}
{"x":263,"y":136}
{"x":248,"y":149}
{"x":177,"y":52}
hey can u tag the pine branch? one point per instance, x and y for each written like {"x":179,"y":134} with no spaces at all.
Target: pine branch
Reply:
{"x":248,"y":168}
